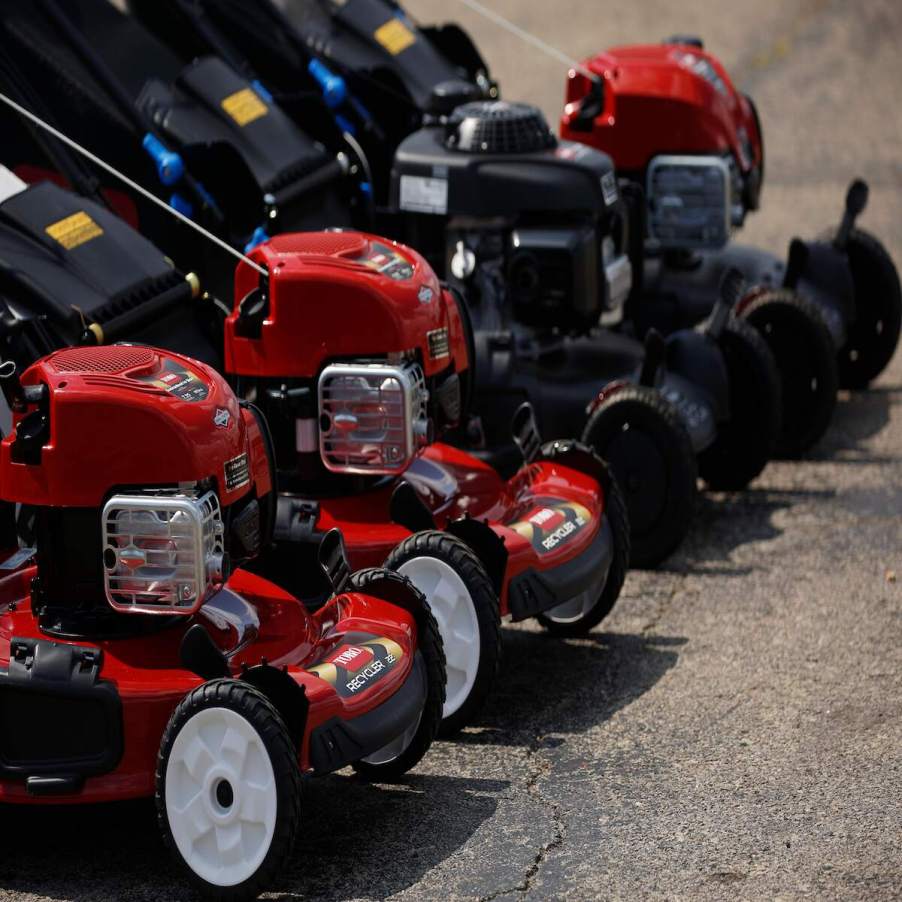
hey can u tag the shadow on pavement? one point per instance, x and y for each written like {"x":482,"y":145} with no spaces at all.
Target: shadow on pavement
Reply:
{"x":356,"y":841}
{"x":549,"y":685}
{"x":725,"y":522}
{"x":858,"y":417}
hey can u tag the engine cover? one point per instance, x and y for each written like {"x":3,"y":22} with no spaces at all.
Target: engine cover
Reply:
{"x":368,"y":297}
{"x":499,"y":159}
{"x":125,"y":415}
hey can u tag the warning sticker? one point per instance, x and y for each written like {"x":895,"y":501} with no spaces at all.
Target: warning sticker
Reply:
{"x":424,"y":195}
{"x":547,"y":526}
{"x":439,"y":344}
{"x":394,"y":36}
{"x":237,"y":473}
{"x":244,"y":106}
{"x":351,"y":668}
{"x":74,"y":230}
{"x":178,"y":380}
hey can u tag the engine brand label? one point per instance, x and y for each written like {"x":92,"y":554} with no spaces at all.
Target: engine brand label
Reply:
{"x":351,"y":668}
{"x":394,"y":36}
{"x":74,"y":230}
{"x":176,"y":379}
{"x":424,"y":195}
{"x":237,"y":472}
{"x":550,"y":525}
{"x":439,"y":343}
{"x":244,"y":106}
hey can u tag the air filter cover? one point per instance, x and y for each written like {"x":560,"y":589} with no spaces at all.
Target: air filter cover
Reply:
{"x":498,"y":127}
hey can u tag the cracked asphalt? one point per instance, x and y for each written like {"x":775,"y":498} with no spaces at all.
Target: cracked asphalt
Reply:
{"x":733,"y":729}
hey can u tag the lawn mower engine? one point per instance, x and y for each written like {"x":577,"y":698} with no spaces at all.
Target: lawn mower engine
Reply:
{"x":534,"y":232}
{"x":673,"y":122}
{"x":384,"y":370}
{"x":159,"y":528}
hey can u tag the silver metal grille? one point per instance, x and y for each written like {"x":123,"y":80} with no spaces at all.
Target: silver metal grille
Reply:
{"x":689,"y":201}
{"x":163,"y":554}
{"x":373,"y":416}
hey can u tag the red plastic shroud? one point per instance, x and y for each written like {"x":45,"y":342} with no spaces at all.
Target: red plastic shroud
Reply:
{"x":178,"y":420}
{"x":655,"y":102}
{"x":341,"y":295}
{"x":151,"y":681}
{"x":454,"y":484}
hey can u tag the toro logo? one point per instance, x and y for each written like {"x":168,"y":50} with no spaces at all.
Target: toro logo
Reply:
{"x":352,"y":657}
{"x":546,"y":518}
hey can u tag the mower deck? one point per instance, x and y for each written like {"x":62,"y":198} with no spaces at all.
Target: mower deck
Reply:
{"x":95,"y":716}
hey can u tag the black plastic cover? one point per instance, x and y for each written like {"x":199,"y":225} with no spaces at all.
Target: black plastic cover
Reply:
{"x":209,"y":104}
{"x":57,"y":718}
{"x":96,"y":264}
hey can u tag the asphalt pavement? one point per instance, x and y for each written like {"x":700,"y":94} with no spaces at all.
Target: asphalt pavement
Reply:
{"x":733,"y":729}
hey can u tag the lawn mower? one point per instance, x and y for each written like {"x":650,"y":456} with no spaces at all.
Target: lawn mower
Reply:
{"x":137,"y":658}
{"x":353,"y":402}
{"x":673,"y":122}
{"x":355,"y":406}
{"x":715,"y":397}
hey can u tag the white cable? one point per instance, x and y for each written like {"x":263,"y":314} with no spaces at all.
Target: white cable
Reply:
{"x":529,"y":38}
{"x":133,"y":185}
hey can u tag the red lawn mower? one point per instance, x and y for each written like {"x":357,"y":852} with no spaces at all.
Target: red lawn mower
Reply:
{"x":355,"y":405}
{"x":136,"y":661}
{"x":674,"y":124}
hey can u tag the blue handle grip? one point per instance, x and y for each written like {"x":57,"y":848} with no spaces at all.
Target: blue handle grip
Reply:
{"x":258,"y":237}
{"x":170,"y":167}
{"x":333,"y":86}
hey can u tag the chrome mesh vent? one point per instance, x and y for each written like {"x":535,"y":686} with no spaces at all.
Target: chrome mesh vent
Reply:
{"x":373,"y":416}
{"x":163,"y":554}
{"x":689,"y":201}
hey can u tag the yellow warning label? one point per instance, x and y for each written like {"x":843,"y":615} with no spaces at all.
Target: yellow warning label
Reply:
{"x":74,"y":230}
{"x":244,"y":106}
{"x":394,"y":36}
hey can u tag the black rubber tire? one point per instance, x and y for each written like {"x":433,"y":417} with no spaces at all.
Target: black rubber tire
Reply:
{"x":747,"y":441}
{"x":615,"y":511}
{"x":255,"y":708}
{"x":800,"y":341}
{"x":429,"y":646}
{"x":872,"y":338}
{"x":667,"y":491}
{"x":463,"y":560}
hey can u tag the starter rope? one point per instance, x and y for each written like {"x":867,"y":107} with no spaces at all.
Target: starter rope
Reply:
{"x":132,"y":184}
{"x":528,"y":37}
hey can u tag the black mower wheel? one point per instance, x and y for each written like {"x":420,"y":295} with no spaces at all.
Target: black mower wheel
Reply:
{"x":391,"y":764}
{"x":466,"y":606}
{"x":249,"y":800}
{"x":800,"y":341}
{"x":873,"y":336}
{"x":641,"y":436}
{"x":618,"y":518}
{"x":747,"y":441}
